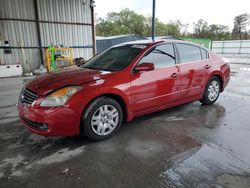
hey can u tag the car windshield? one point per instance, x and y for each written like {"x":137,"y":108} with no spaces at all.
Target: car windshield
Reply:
{"x":114,"y":59}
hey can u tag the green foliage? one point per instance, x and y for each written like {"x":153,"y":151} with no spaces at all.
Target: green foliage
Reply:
{"x":124,"y":22}
{"x":201,"y":29}
{"x":129,"y":22}
{"x":219,"y":32}
{"x":213,"y":31}
{"x":240,"y":26}
{"x":171,"y":28}
{"x":201,"y":41}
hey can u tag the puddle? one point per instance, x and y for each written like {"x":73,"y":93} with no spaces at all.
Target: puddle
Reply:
{"x":204,"y":165}
{"x":59,"y":156}
{"x":144,"y":149}
{"x":20,"y":165}
{"x":233,"y":181}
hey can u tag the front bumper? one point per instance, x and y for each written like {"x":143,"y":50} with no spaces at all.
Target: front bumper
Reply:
{"x":53,"y":121}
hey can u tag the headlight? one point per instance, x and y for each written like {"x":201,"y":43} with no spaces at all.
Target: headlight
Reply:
{"x":60,"y":96}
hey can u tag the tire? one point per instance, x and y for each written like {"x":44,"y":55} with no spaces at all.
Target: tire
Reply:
{"x":212,"y":91}
{"x":102,"y":118}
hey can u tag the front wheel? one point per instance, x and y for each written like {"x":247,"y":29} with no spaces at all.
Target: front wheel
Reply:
{"x":212,"y":91}
{"x":102,"y":118}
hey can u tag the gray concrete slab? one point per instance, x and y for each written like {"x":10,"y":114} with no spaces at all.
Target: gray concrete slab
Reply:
{"x":186,"y":146}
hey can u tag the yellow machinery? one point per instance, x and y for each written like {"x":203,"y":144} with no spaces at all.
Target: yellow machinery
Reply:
{"x":58,"y":58}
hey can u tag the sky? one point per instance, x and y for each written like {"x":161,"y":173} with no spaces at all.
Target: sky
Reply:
{"x":187,"y":11}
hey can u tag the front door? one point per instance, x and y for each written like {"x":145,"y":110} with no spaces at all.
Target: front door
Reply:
{"x":157,"y":87}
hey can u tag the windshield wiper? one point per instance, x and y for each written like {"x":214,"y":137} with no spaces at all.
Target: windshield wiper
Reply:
{"x":162,"y":52}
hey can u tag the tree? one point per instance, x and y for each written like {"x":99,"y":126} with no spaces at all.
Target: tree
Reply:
{"x":201,"y":29}
{"x":174,"y":28}
{"x":218,"y":32}
{"x":123,"y":22}
{"x":213,"y":31}
{"x":129,"y":22}
{"x":240,"y":26}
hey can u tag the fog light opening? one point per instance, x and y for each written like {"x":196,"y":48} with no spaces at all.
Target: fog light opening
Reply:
{"x":43,"y":126}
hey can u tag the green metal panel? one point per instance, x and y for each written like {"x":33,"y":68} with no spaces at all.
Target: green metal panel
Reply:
{"x":201,"y":41}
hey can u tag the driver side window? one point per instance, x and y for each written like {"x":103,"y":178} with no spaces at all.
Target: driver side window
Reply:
{"x":160,"y":56}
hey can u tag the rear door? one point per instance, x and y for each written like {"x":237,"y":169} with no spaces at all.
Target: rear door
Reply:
{"x":193,"y":70}
{"x":157,"y":87}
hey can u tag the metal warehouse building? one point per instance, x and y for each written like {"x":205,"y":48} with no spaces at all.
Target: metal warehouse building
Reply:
{"x":27,"y":27}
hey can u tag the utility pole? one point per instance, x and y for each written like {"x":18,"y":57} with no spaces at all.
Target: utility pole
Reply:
{"x":153,"y":22}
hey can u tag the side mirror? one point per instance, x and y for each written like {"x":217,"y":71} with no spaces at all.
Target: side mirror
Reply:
{"x":143,"y":67}
{"x":79,"y":61}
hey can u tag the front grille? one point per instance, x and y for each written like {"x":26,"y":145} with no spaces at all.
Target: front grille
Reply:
{"x":27,"y":96}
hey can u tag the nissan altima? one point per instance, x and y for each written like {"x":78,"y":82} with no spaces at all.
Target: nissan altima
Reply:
{"x":119,"y":84}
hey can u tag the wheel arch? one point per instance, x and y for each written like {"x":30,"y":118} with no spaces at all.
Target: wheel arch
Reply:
{"x":219,"y":75}
{"x":220,"y":79}
{"x":120,"y":100}
{"x":114,"y":96}
{"x":214,"y":74}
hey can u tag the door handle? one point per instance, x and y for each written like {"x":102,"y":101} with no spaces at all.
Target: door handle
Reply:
{"x":207,"y":66}
{"x":174,"y":75}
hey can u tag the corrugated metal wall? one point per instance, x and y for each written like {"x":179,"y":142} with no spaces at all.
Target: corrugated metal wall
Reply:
{"x":231,"y":47}
{"x":65,"y":10}
{"x":76,"y":36}
{"x":18,"y":34}
{"x":60,"y":22}
{"x":22,"y":9}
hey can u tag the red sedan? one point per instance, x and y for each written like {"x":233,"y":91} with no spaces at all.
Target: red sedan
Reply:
{"x":119,"y":84}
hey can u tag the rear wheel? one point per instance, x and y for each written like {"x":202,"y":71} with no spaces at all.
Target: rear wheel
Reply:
{"x":212,"y":91}
{"x":102,"y":118}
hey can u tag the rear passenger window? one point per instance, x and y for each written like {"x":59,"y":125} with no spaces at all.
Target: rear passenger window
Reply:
{"x":204,"y":54}
{"x":160,"y":56}
{"x":188,"y":53}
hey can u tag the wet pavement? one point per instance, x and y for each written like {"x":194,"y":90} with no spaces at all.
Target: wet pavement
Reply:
{"x":186,"y":146}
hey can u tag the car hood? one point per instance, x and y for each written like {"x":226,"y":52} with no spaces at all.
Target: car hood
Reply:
{"x":49,"y":82}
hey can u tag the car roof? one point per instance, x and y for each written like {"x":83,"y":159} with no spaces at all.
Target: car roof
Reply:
{"x":158,"y":41}
{"x":139,"y":42}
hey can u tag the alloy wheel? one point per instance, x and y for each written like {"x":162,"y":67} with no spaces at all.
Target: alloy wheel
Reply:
{"x":104,"y":120}
{"x":213,"y":90}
